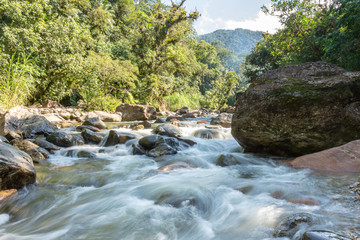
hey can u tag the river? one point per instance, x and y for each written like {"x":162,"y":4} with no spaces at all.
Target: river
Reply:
{"x":118,"y":195}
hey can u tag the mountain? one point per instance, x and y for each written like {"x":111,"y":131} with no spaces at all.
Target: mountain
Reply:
{"x":240,"y":41}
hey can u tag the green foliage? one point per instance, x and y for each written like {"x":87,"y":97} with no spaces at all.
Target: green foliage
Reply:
{"x":98,"y":54}
{"x":17,"y":81}
{"x":311,"y":32}
{"x":179,"y":100}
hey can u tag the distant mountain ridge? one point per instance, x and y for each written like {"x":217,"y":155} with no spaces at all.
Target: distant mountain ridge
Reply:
{"x":240,"y":41}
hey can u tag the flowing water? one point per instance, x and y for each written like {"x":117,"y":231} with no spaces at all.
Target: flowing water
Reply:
{"x":121,"y":196}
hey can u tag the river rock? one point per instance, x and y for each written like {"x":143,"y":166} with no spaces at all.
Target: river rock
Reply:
{"x":298,"y":110}
{"x":175,"y":166}
{"x":156,"y":145}
{"x":149,"y":142}
{"x":167,"y":130}
{"x":91,"y":128}
{"x":115,"y":137}
{"x":17,"y":168}
{"x":345,"y":158}
{"x":208,"y":134}
{"x":184,"y":110}
{"x":65,"y":140}
{"x":105,"y":116}
{"x":323,"y":235}
{"x":223,"y":119}
{"x":172,"y":118}
{"x":18,"y":122}
{"x":289,"y":226}
{"x":41,"y":142}
{"x":226,"y":160}
{"x":136,"y":112}
{"x":36,"y":153}
{"x":95,"y":122}
{"x":90,"y":137}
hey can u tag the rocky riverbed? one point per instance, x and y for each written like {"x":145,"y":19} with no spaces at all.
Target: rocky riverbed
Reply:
{"x":174,"y":177}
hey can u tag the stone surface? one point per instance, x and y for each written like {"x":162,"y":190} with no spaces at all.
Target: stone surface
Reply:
{"x":19,"y":122}
{"x":41,"y":142}
{"x":298,"y":110}
{"x":90,"y":136}
{"x":167,"y":130}
{"x":223,"y":119}
{"x":289,"y":226}
{"x":36,"y":153}
{"x":95,"y":122}
{"x":17,"y":168}
{"x":115,"y":137}
{"x":136,"y":112}
{"x":226,"y":160}
{"x":64,"y":140}
{"x":51,"y":104}
{"x":345,"y":158}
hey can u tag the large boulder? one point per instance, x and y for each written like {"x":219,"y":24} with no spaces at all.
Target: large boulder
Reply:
{"x":345,"y":158}
{"x":114,"y":138}
{"x":132,"y":112}
{"x":298,"y":110}
{"x":19,"y":122}
{"x":17,"y":168}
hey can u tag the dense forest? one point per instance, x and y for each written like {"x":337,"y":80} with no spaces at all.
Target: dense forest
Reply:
{"x":97,"y":54}
{"x":239,"y":41}
{"x":312,"y":31}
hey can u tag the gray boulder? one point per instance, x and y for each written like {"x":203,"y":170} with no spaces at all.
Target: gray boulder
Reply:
{"x":17,"y":168}
{"x":297,"y":110}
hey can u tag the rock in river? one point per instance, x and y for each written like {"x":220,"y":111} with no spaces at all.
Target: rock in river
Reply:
{"x":17,"y":168}
{"x":298,"y":110}
{"x":345,"y":158}
{"x":136,"y":112}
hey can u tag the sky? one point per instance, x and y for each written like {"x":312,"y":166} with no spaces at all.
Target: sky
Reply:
{"x":231,"y":14}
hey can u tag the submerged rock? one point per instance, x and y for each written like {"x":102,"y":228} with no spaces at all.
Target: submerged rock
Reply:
{"x":6,"y":195}
{"x":17,"y":168}
{"x":298,"y":110}
{"x":289,"y":226}
{"x":226,"y":160}
{"x":345,"y":158}
{"x":176,"y":165}
{"x":323,"y":235}
{"x":136,"y":112}
{"x":209,"y":134}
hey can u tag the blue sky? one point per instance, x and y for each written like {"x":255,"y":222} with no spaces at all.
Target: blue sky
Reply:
{"x":231,"y":14}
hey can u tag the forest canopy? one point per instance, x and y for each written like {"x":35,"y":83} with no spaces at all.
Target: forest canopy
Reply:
{"x":97,"y":54}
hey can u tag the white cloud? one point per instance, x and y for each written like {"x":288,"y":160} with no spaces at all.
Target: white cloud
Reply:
{"x":261,"y":22}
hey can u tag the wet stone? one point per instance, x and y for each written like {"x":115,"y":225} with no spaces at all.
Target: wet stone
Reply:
{"x":289,"y":226}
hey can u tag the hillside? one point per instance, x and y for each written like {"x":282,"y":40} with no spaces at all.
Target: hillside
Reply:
{"x":240,"y":41}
